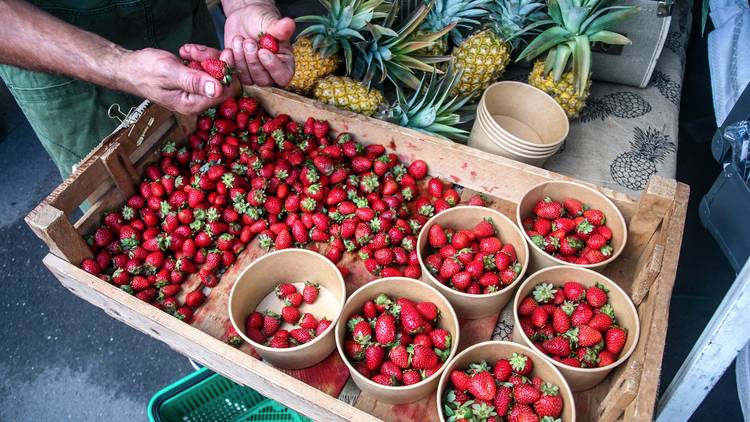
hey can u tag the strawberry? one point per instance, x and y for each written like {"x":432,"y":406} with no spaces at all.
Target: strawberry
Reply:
{"x":460,"y":380}
{"x":581,"y":315}
{"x":573,"y":206}
{"x":437,"y":236}
{"x":605,"y":232}
{"x":542,"y":226}
{"x":254,"y":320}
{"x":294,"y":299}
{"x":502,"y":370}
{"x":606,"y":358}
{"x":374,"y":357}
{"x":323,"y":325}
{"x":549,"y":209}
{"x":574,"y":291}
{"x":195,"y":298}
{"x":435,"y":187}
{"x":361,"y":330}
{"x":400,"y":356}
{"x":551,"y":403}
{"x":280,"y":340}
{"x":560,"y":321}
{"x":502,"y":400}
{"x":526,"y":394}
{"x":218,"y":69}
{"x":441,"y":338}
{"x":482,"y":386}
{"x":600,"y":322}
{"x":418,"y":169}
{"x":527,"y":306}
{"x":271,"y":323}
{"x":383,"y":379}
{"x":411,"y":377}
{"x":521,"y":364}
{"x":184,"y":314}
{"x":571,"y":362}
{"x":392,"y":370}
{"x":557,"y":346}
{"x":385,"y":328}
{"x":596,"y":296}
{"x":588,"y":336}
{"x":461,"y":280}
{"x":302,"y":335}
{"x":423,"y":357}
{"x":449,"y":268}
{"x":290,"y":314}
{"x":595,"y":217}
{"x":411,"y":319}
{"x":596,"y":241}
{"x":615,"y":340}
{"x":90,"y":266}
{"x":310,"y":292}
{"x":539,"y":317}
{"x":308,"y":321}
{"x":268,"y":42}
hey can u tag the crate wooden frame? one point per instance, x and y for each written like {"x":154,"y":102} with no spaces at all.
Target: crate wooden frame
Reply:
{"x":646,"y":269}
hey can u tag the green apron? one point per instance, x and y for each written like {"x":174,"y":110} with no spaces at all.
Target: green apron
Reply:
{"x":70,"y":116}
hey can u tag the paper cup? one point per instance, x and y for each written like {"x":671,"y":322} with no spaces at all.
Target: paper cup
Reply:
{"x":490,"y":125}
{"x":558,"y":191}
{"x":627,"y":317}
{"x":492,"y":351}
{"x":470,"y":306}
{"x":396,"y":287}
{"x":261,"y":277}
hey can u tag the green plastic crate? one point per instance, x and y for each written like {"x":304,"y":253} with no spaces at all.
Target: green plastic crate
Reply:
{"x":204,"y":396}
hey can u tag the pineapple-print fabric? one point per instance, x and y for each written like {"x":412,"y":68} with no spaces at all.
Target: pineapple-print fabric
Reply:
{"x":625,"y":134}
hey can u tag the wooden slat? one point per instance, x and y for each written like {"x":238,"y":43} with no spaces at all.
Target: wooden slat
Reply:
{"x":622,"y":390}
{"x":53,"y":227}
{"x":652,"y":207}
{"x":192,"y":342}
{"x":120,"y":168}
{"x":642,"y":408}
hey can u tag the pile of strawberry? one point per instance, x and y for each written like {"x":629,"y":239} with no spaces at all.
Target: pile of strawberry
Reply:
{"x":574,"y":325}
{"x":243,"y":175}
{"x":265,"y":327}
{"x":472,"y":261}
{"x":570,"y":231}
{"x":505,"y":391}
{"x":396,"y":342}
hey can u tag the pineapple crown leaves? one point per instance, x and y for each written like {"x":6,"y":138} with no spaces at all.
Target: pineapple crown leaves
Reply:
{"x":652,"y":144}
{"x":544,"y":292}
{"x":388,"y":54}
{"x":465,"y":14}
{"x":432,"y":109}
{"x":574,"y":25}
{"x":509,"y":19}
{"x":345,"y":21}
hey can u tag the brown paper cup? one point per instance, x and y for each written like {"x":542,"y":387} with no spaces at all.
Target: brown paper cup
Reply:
{"x":526,"y":114}
{"x":510,"y":146}
{"x":559,"y":190}
{"x":582,"y":378}
{"x":470,"y":306}
{"x":260,"y":278}
{"x":396,"y":287}
{"x":490,"y":124}
{"x":482,"y":140}
{"x":492,"y":351}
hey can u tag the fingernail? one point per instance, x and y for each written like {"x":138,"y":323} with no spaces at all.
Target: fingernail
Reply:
{"x":251,"y":48}
{"x":209,"y":88}
{"x":237,"y":44}
{"x":201,"y":47}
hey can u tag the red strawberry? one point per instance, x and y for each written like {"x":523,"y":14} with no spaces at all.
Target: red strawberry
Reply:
{"x":294,"y":299}
{"x":461,"y":381}
{"x":280,"y":340}
{"x":557,"y":346}
{"x":218,"y":70}
{"x":271,"y":323}
{"x":195,"y":298}
{"x":526,"y":394}
{"x":423,"y":357}
{"x":574,"y":290}
{"x":596,"y":296}
{"x":383,"y":379}
{"x":482,"y":386}
{"x":549,"y":209}
{"x":374,"y":357}
{"x":184,"y":313}
{"x":521,"y":364}
{"x":308,"y":321}
{"x":310,"y":292}
{"x":302,"y":335}
{"x":600,"y":322}
{"x":435,"y":187}
{"x":90,"y":266}
{"x":615,"y":340}
{"x":551,"y":403}
{"x":449,"y":268}
{"x":502,"y":370}
{"x":542,"y":226}
{"x":606,"y":358}
{"x":411,"y":319}
{"x":323,"y":325}
{"x":461,"y":280}
{"x":290,"y":314}
{"x":560,"y":321}
{"x":437,"y":236}
{"x":268,"y":42}
{"x":385,"y":328}
{"x":527,"y":306}
{"x":400,"y":356}
{"x":539,"y":317}
{"x":581,"y":315}
{"x":428,"y":310}
{"x":411,"y":377}
{"x":573,"y":206}
{"x":502,"y":400}
{"x":392,"y":370}
{"x":588,"y":336}
{"x":571,"y":362}
{"x":441,"y":338}
{"x":254,"y":320}
{"x":595,"y":217}
{"x":418,"y":169}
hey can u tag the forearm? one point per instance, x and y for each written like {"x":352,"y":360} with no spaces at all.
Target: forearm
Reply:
{"x":35,"y":40}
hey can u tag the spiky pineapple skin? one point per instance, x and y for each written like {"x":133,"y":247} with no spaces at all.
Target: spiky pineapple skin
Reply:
{"x":309,"y":66}
{"x":563,"y":91}
{"x":483,"y":58}
{"x":349,"y":94}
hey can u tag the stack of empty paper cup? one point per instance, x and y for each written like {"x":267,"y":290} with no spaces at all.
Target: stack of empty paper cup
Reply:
{"x":520,"y":122}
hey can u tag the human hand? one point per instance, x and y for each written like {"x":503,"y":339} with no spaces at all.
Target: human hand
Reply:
{"x":162,"y":78}
{"x":253,"y":65}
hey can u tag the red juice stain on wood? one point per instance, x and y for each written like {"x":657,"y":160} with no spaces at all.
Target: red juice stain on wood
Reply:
{"x":329,"y":376}
{"x":392,"y":144}
{"x":455,"y":178}
{"x":473,"y":174}
{"x":464,"y":165}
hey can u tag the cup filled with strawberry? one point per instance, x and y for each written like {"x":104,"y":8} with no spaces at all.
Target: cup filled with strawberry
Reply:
{"x":285,"y":305}
{"x":581,"y":321}
{"x":500,"y":380}
{"x":474,"y":256}
{"x":396,"y":335}
{"x":567,"y":223}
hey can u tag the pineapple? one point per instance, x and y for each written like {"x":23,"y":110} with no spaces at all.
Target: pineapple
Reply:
{"x":484,"y":55}
{"x":632,"y":169}
{"x":432,"y":108}
{"x":347,"y":93}
{"x":318,"y":48}
{"x":388,"y":54}
{"x":464,"y":13}
{"x":566,"y":73}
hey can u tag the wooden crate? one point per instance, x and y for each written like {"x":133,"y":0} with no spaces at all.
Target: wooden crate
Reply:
{"x":646,"y":269}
